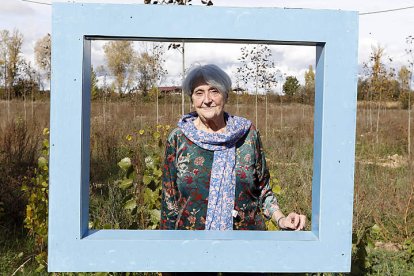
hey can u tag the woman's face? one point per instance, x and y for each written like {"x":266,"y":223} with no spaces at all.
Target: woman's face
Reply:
{"x":208,"y":102}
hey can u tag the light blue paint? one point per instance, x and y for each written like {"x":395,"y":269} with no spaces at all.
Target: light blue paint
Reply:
{"x":72,"y":247}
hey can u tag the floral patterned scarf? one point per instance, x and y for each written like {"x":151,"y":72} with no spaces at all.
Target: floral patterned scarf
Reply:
{"x":223,"y":174}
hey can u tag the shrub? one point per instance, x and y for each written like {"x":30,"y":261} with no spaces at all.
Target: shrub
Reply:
{"x":18,"y":149}
{"x":37,"y":191}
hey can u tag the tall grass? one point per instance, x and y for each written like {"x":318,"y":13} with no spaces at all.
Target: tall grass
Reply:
{"x":382,"y":173}
{"x":384,"y":183}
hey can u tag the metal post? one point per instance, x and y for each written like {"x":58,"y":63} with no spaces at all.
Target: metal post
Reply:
{"x":182,"y":91}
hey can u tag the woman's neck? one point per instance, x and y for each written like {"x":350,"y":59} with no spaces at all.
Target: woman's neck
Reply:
{"x":211,"y":126}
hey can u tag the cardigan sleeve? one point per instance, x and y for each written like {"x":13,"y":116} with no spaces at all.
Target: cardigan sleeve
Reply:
{"x":268,"y":200}
{"x":170,"y":193}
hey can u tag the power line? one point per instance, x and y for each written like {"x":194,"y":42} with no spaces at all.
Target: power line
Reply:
{"x":389,"y":10}
{"x":37,"y":2}
{"x":363,"y":13}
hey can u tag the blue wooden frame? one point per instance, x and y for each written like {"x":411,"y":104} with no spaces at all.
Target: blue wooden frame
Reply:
{"x":327,"y":247}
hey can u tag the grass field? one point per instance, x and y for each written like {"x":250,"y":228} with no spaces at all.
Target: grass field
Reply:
{"x":384,"y":185}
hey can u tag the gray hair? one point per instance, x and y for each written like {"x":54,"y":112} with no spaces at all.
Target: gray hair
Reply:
{"x":210,"y":74}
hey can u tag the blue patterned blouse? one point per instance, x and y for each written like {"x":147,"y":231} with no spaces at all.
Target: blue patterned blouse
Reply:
{"x":186,"y":180}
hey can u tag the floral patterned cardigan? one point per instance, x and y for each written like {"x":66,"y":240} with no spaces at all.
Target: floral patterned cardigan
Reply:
{"x":186,"y":181}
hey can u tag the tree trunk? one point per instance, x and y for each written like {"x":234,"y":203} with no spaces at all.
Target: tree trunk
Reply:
{"x":24,"y":105}
{"x":172,"y":106}
{"x":378,"y":117}
{"x":32,"y":105}
{"x":409,"y":124}
{"x":267,"y":115}
{"x":104,"y":111}
{"x":237,"y":104}
{"x":281,"y":112}
{"x":256,"y":96}
{"x":370,"y":113}
{"x":156,"y":94}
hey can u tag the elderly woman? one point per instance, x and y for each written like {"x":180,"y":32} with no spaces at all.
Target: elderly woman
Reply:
{"x":215,"y":175}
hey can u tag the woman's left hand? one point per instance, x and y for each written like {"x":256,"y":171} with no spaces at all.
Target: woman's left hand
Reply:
{"x":293,"y":222}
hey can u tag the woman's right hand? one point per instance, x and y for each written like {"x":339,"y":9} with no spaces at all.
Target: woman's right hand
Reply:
{"x":293,"y":221}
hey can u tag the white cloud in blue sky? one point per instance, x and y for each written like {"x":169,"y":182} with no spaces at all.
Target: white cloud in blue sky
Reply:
{"x":386,"y":29}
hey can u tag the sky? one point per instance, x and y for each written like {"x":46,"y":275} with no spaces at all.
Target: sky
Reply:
{"x":385,"y":29}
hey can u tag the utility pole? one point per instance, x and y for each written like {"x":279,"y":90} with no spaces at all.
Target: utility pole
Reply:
{"x":182,"y":91}
{"x":180,"y":48}
{"x":6,"y":89}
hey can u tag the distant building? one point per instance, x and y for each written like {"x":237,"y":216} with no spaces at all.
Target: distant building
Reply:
{"x":238,"y":90}
{"x":169,"y":89}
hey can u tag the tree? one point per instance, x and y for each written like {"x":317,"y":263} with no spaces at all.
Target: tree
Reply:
{"x":94,"y":85}
{"x":380,"y":82}
{"x":43,"y":52}
{"x":181,"y":49}
{"x":150,"y":67}
{"x":27,"y":83}
{"x":120,"y":57}
{"x":291,"y":86}
{"x":238,"y":89}
{"x":404,"y":78}
{"x":178,"y":46}
{"x":309,"y":91}
{"x":377,"y":82}
{"x":4,"y":37}
{"x":380,"y":77}
{"x":177,"y":2}
{"x":10,"y":48}
{"x":257,"y":66}
{"x":410,"y":53}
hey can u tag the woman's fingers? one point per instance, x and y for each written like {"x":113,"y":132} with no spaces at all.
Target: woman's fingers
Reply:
{"x":302,"y":222}
{"x":289,"y":221}
{"x":295,"y":221}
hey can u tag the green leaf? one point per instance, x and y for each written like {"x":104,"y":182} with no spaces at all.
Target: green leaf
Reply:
{"x":125,"y":184}
{"x":150,"y":198}
{"x":125,"y":163}
{"x":41,"y":162}
{"x":158,"y":172}
{"x":156,"y":135}
{"x":107,"y":226}
{"x":147,"y":179}
{"x":40,"y":268}
{"x":376,"y":229}
{"x":155,"y":215}
{"x":277,"y":189}
{"x":45,"y":143}
{"x":130,"y":204}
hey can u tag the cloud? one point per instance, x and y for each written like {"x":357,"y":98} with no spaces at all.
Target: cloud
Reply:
{"x":290,"y":60}
{"x":12,"y":8}
{"x":97,"y":53}
{"x":390,"y":29}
